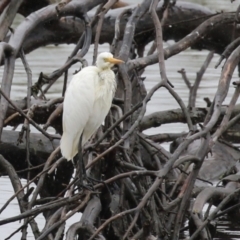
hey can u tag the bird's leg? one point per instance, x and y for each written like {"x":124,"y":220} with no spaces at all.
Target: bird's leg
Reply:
{"x":81,"y":167}
{"x":82,"y":171}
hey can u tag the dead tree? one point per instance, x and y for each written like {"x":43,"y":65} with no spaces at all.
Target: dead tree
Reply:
{"x":144,"y":191}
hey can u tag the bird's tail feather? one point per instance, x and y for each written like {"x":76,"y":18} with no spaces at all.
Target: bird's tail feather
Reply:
{"x":67,"y":147}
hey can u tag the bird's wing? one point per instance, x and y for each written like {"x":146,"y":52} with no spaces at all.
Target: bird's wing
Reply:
{"x":77,"y":108}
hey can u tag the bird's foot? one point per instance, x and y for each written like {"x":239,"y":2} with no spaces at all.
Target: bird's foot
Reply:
{"x":85,"y":183}
{"x":99,"y":181}
{"x":88,"y":184}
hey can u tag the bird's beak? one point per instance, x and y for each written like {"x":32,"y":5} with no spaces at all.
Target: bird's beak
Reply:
{"x":114,"y":60}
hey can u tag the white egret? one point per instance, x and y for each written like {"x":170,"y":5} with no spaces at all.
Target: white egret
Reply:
{"x":87,"y":101}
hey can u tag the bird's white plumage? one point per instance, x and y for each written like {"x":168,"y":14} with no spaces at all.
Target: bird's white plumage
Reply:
{"x":87,"y":102}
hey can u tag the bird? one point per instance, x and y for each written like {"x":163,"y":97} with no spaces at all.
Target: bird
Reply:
{"x":87,"y":101}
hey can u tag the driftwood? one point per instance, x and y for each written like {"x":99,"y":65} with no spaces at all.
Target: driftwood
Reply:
{"x":144,"y":191}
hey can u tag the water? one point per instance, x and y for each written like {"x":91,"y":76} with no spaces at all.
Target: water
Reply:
{"x":44,"y":60}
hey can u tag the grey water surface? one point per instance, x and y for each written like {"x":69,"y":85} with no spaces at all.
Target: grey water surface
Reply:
{"x":50,"y":58}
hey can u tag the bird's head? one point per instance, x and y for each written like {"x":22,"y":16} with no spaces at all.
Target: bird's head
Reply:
{"x":106,"y":60}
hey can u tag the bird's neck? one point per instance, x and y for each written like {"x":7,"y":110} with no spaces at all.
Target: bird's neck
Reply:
{"x":102,"y":69}
{"x":106,"y":74}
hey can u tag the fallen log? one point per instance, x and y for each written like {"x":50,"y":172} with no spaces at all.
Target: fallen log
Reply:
{"x":181,"y":20}
{"x":15,"y":152}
